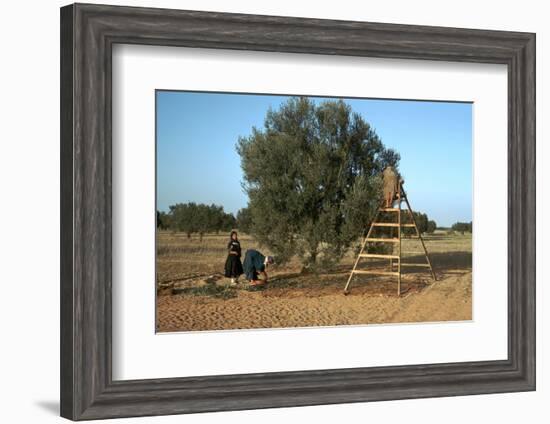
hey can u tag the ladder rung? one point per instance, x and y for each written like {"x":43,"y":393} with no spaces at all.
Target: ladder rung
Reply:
{"x":361,"y":271}
{"x":405,"y":264}
{"x":376,"y":255}
{"x":384,"y":240}
{"x":390,"y":224}
{"x":389,"y":209}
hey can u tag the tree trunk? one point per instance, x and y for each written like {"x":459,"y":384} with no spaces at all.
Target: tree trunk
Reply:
{"x":313,"y":255}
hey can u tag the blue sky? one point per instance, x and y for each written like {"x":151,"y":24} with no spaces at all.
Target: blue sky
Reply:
{"x":197,"y":160}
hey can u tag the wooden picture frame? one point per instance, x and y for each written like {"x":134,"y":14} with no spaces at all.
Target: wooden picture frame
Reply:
{"x":88,"y":33}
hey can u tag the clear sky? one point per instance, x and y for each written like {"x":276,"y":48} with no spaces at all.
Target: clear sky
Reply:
{"x":197,"y":160}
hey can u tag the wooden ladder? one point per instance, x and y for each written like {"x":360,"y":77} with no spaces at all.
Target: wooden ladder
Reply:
{"x":401,"y":196}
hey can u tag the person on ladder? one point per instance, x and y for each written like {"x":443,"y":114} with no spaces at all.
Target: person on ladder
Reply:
{"x":392,"y":181}
{"x":392,"y":188}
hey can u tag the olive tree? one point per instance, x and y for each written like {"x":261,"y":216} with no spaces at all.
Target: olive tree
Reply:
{"x":312,"y":178}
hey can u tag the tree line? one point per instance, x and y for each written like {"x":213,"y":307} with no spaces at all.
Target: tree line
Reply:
{"x":244,"y":222}
{"x":423,"y":222}
{"x":192,"y":218}
{"x":462,"y":227}
{"x":195,"y":218}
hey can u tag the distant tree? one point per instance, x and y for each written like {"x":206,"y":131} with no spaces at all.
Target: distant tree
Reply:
{"x":312,"y":178}
{"x":184,"y":217}
{"x":193,"y":218}
{"x":423,"y":222}
{"x":462,"y":227}
{"x":244,"y":220}
{"x":163,"y":220}
{"x":205,"y":219}
{"x":228,"y":222}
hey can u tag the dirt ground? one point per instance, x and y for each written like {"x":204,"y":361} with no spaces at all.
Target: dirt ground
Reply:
{"x":194,"y":295}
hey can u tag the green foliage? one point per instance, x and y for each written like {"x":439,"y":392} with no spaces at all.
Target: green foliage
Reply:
{"x":244,"y":220}
{"x":424,"y":224}
{"x":312,"y":177}
{"x":163,"y":220}
{"x":199,"y":218}
{"x":462,"y":227}
{"x":432,"y":225}
{"x":421,"y":221}
{"x":227,"y":222}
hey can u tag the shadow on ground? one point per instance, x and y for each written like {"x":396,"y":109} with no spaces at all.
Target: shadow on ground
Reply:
{"x":414,"y":279}
{"x":444,"y":261}
{"x":310,"y":284}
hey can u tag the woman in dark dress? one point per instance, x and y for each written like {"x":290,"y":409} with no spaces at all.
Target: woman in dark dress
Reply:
{"x":233,"y":265}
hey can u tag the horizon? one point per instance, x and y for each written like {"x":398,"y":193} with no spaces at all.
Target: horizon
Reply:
{"x":197,"y":162}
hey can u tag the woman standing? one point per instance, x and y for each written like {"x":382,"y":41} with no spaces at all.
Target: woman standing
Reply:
{"x":233,"y":265}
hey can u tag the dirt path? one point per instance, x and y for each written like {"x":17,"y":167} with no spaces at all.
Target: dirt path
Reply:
{"x":307,"y":302}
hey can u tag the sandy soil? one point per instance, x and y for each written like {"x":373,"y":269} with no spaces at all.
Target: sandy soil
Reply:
{"x":292,"y":299}
{"x":448,"y":299}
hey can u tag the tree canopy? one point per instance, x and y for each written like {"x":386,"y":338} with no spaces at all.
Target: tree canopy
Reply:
{"x":312,"y":178}
{"x":462,"y":227}
{"x":423,"y":222}
{"x":244,"y":220}
{"x":195,"y":218}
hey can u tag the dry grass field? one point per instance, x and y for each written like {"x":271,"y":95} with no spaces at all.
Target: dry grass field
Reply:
{"x":192,"y":293}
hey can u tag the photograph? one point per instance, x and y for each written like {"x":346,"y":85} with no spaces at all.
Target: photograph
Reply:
{"x":262,"y":212}
{"x":285,"y":211}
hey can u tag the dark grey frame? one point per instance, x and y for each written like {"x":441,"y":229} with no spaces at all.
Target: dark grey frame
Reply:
{"x":88,"y":33}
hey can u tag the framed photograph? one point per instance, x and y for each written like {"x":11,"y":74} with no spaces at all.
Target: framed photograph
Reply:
{"x":262,"y":212}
